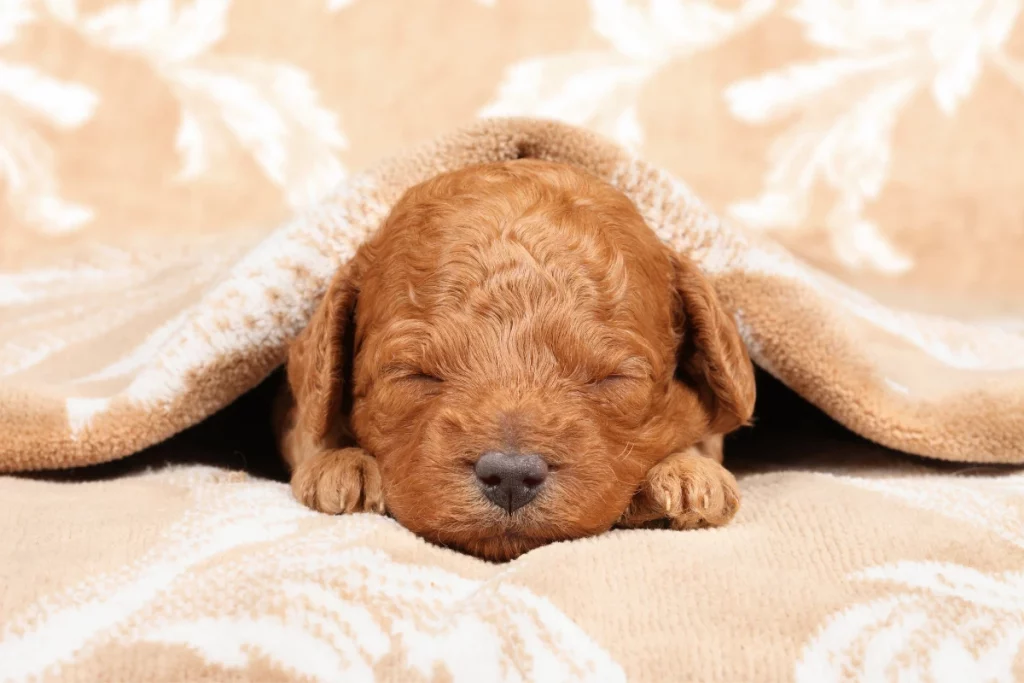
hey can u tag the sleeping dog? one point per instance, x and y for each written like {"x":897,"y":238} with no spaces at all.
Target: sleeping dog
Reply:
{"x":513,"y":359}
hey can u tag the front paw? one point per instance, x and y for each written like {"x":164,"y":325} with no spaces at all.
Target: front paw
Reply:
{"x":687,"y":490}
{"x":339,"y":481}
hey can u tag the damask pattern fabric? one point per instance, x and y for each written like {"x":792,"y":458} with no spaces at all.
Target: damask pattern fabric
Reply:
{"x":866,"y":570}
{"x":181,"y":179}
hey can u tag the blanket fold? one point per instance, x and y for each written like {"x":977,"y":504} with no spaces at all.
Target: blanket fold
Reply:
{"x":929,"y":384}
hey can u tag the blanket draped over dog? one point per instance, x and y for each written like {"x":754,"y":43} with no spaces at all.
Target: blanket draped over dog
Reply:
{"x":927,"y":384}
{"x":867,"y":156}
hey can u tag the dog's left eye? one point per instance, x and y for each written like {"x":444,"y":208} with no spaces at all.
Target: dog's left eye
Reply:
{"x":423,"y":377}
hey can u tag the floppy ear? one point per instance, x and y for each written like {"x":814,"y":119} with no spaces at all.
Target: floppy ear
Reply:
{"x":712,"y":357}
{"x":319,"y":360}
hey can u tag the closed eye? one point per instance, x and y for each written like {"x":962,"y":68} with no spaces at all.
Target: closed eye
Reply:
{"x":423,"y":377}
{"x":405,"y":373}
{"x":611,"y":380}
{"x":624,"y":372}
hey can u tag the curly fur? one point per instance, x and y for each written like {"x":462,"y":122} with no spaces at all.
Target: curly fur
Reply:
{"x":525,"y":306}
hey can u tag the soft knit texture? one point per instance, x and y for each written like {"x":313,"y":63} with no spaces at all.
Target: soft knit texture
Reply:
{"x":869,"y":564}
{"x":920,"y":383}
{"x":869,"y":569}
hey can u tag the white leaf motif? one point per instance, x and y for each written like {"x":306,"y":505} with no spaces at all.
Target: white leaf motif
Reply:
{"x":601,"y":88}
{"x":310,"y":595}
{"x":845,"y":107}
{"x":13,"y":15}
{"x":595,"y":88}
{"x":155,"y":29}
{"x":943,"y":621}
{"x":270,"y":110}
{"x":28,"y":97}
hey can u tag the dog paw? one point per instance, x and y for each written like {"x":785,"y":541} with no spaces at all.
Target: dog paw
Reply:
{"x":688,"y":491}
{"x":339,"y":481}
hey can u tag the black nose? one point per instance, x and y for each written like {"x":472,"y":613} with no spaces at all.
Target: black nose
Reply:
{"x":511,"y":480}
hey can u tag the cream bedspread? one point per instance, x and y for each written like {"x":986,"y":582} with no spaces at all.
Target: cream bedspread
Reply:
{"x":181,"y":179}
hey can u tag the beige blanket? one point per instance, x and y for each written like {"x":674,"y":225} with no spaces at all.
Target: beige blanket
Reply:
{"x":874,"y":570}
{"x":928,"y":384}
{"x":872,"y":257}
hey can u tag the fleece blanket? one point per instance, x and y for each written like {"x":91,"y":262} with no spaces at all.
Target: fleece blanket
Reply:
{"x":861,"y":216}
{"x":923,"y":383}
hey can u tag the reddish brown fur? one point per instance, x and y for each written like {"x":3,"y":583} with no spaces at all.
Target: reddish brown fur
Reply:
{"x":522,"y":306}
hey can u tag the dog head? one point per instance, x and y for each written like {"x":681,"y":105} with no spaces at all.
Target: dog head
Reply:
{"x":517,"y":349}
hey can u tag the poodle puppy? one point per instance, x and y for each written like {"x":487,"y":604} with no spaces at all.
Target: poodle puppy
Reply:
{"x":514,"y":359}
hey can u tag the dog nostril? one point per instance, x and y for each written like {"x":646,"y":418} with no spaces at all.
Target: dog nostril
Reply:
{"x":510,"y":480}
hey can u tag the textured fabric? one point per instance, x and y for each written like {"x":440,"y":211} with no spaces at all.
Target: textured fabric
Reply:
{"x":865,"y":157}
{"x":918,"y":382}
{"x":874,"y":570}
{"x":151,"y":146}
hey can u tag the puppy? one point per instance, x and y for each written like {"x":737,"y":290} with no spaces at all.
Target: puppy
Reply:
{"x":514,"y":359}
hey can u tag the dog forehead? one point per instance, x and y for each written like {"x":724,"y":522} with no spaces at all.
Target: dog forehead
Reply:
{"x":539,"y":233}
{"x":524,"y":271}
{"x":514,"y":242}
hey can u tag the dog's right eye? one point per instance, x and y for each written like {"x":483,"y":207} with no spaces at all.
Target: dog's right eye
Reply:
{"x":402,"y":372}
{"x":611,"y":381}
{"x":410,"y":373}
{"x":413,"y":375}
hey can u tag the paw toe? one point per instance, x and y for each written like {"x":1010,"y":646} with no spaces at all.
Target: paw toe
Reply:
{"x":340,"y":482}
{"x":690,"y":493}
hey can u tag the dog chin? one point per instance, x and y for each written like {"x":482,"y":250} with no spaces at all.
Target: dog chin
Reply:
{"x":502,"y":547}
{"x":501,"y":542}
{"x":500,"y":538}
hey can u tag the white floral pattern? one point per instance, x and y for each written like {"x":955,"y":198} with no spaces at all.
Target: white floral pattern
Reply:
{"x":41,"y":331}
{"x":270,"y":109}
{"x":940,"y":621}
{"x":845,"y":106}
{"x":600,"y":88}
{"x":29,"y":97}
{"x":330,"y":605}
